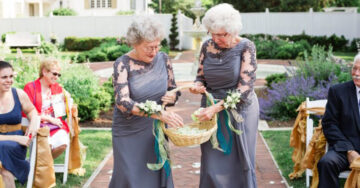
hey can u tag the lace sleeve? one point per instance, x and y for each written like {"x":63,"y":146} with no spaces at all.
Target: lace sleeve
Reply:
{"x":247,"y":75}
{"x":200,"y":72}
{"x":170,"y":71}
{"x":122,"y":94}
{"x":171,"y":79}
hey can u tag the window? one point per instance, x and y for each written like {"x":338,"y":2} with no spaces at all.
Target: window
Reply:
{"x":132,"y":4}
{"x":100,"y":3}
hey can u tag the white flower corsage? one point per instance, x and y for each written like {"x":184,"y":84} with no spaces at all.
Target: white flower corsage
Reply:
{"x":232,"y":98}
{"x":149,"y":107}
{"x":230,"y":102}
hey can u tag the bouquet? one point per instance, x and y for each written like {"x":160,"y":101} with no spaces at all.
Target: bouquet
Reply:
{"x":232,"y":98}
{"x":149,"y":108}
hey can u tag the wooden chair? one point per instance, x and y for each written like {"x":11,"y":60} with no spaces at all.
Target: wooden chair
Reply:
{"x":310,"y":131}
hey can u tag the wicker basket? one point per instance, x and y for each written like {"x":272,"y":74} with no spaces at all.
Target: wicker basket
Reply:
{"x":189,"y":140}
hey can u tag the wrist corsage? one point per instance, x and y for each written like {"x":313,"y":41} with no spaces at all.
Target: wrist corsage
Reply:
{"x":231,"y":100}
{"x":149,"y":107}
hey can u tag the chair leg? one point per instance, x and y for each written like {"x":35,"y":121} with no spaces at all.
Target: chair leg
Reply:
{"x":32,"y":164}
{"x":66,"y":164}
{"x":307,"y":178}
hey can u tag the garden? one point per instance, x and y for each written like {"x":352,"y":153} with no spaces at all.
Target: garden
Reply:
{"x":319,"y":62}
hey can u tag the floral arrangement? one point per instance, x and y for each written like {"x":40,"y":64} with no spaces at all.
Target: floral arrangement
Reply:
{"x":232,"y":98}
{"x":193,"y":115}
{"x":149,"y":107}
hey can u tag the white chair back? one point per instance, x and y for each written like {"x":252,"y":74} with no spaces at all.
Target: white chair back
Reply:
{"x":310,"y":131}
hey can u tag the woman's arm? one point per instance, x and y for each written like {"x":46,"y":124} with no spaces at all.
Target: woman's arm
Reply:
{"x":247,"y":76}
{"x":170,"y":98}
{"x":30,"y":111}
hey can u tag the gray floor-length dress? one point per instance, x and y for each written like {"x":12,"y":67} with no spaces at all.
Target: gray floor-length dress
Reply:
{"x":221,"y":70}
{"x":133,"y":141}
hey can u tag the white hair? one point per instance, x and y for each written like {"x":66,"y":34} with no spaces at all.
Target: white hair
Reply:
{"x":144,"y":28}
{"x":357,"y":58}
{"x":223,"y":16}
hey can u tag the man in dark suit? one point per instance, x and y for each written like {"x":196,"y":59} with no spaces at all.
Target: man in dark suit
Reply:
{"x":341,"y":126}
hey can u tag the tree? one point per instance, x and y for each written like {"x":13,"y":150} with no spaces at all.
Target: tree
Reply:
{"x":174,"y":34}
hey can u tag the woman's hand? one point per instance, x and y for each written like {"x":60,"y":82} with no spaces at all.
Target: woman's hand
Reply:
{"x":22,"y":140}
{"x":56,"y":121}
{"x":169,"y":98}
{"x":207,"y":113}
{"x":172,"y":119}
{"x":197,"y":88}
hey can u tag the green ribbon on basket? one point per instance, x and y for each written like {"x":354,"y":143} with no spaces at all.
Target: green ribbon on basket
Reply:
{"x":218,"y":137}
{"x":161,"y":150}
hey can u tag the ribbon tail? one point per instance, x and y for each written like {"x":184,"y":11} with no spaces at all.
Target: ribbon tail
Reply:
{"x":238,"y":117}
{"x":238,"y":132}
{"x":161,"y":150}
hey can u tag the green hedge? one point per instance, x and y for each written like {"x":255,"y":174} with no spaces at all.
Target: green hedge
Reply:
{"x":280,"y":49}
{"x":339,"y":43}
{"x":84,"y":44}
{"x":64,"y":12}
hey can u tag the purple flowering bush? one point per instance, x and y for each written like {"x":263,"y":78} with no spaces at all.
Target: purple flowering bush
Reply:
{"x":312,"y":78}
{"x":284,"y":98}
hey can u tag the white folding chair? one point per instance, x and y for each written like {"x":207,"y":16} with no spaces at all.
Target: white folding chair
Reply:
{"x":32,"y":157}
{"x":310,"y":131}
{"x":58,"y":168}
{"x":63,"y":168}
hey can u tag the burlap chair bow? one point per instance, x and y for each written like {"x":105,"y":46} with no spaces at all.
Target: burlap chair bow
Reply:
{"x":353,"y":181}
{"x":298,"y":138}
{"x":44,"y":175}
{"x":314,"y":152}
{"x":2,"y":185}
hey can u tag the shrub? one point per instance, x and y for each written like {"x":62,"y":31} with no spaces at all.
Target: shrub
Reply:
{"x":284,"y":97}
{"x":122,"y":12}
{"x":47,"y":48}
{"x":173,"y":32}
{"x":84,"y":44}
{"x":97,"y":56}
{"x":279,"y":48}
{"x":64,"y":12}
{"x":355,"y":45}
{"x":78,"y":80}
{"x":108,"y":51}
{"x":321,"y":66}
{"x":275,"y":78}
{"x":312,"y":79}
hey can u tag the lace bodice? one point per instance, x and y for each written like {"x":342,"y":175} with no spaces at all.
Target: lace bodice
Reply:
{"x":126,"y":67}
{"x":246,"y":75}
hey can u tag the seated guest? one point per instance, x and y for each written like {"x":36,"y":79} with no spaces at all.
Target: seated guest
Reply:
{"x":46,"y":94}
{"x":341,"y":126}
{"x":13,"y":142}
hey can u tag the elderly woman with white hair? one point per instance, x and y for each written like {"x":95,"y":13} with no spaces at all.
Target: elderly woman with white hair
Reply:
{"x":228,"y":63}
{"x":140,"y":75}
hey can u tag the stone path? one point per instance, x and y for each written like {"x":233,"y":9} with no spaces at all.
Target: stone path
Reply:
{"x":186,"y":160}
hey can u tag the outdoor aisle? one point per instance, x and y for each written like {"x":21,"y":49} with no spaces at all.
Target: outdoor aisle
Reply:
{"x":186,"y":160}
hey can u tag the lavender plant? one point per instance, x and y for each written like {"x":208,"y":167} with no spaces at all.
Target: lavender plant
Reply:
{"x":312,"y":78}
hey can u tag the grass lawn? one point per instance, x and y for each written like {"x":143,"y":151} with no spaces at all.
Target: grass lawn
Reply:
{"x":99,"y":145}
{"x":347,"y":56}
{"x":278,"y":142}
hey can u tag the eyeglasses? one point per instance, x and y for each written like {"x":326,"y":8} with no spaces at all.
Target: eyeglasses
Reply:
{"x":219,"y":35}
{"x":56,"y":74}
{"x":150,"y":49}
